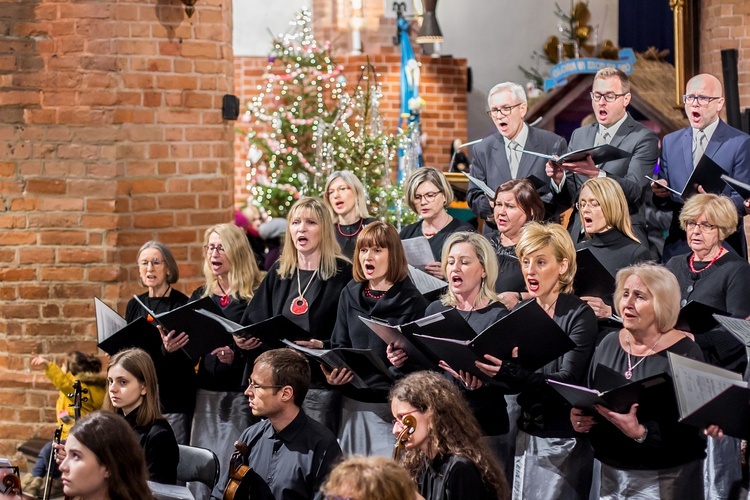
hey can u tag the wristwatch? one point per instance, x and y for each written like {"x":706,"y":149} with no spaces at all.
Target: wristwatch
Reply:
{"x":641,"y":439}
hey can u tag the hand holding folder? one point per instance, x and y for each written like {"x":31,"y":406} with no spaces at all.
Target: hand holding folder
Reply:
{"x":204,"y":333}
{"x":271,"y":331}
{"x":709,"y":395}
{"x":447,"y":335}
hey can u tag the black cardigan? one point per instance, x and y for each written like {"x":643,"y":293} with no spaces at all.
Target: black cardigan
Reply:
{"x":544,"y":412}
{"x":402,"y":303}
{"x":175,"y":372}
{"x":214,"y":375}
{"x":726,"y":286}
{"x":160,"y":447}
{"x":436,"y":242}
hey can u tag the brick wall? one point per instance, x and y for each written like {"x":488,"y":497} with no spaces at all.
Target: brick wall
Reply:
{"x":443,"y":86}
{"x":725,"y":24}
{"x":110,"y":135}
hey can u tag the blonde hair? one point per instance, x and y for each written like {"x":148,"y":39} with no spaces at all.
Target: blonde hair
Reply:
{"x":244,"y":275}
{"x":719,"y":210}
{"x":372,"y":478}
{"x":662,"y":285}
{"x":329,"y":248}
{"x":425,"y":174}
{"x":612,"y":72}
{"x":612,"y":201}
{"x":486,"y":257}
{"x":357,"y":188}
{"x":536,"y":236}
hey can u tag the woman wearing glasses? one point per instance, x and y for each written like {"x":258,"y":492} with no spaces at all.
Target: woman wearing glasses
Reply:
{"x":717,"y":277}
{"x":158,"y":271}
{"x":445,"y":454}
{"x":221,"y":411}
{"x":304,"y":285}
{"x":345,"y":196}
{"x":428,"y":193}
{"x":605,"y":218}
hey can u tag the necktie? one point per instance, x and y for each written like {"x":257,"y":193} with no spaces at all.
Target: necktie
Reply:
{"x":602,"y":139}
{"x":699,"y":146}
{"x":513,"y":158}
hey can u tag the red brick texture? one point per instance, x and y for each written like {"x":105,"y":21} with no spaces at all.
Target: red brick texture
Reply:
{"x":725,"y":24}
{"x":110,"y":135}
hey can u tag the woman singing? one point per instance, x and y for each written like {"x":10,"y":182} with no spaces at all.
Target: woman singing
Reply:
{"x":345,"y":196}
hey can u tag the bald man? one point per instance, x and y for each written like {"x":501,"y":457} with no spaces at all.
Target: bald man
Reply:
{"x":707,"y":134}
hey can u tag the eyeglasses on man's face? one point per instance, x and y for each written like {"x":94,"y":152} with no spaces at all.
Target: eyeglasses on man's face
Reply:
{"x":609,"y":96}
{"x":702,"y":100}
{"x":255,"y":386}
{"x":502,"y":110}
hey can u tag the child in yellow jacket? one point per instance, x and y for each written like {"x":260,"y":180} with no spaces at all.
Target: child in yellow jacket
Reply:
{"x":77,"y":366}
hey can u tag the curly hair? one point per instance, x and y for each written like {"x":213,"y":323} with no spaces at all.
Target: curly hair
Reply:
{"x":452,"y":428}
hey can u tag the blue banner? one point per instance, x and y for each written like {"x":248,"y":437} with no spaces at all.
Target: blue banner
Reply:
{"x":559,"y":73}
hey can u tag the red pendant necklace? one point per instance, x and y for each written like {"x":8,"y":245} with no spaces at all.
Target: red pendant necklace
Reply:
{"x":691,"y":260}
{"x":224,"y":300}
{"x":355,"y":233}
{"x":299,"y":304}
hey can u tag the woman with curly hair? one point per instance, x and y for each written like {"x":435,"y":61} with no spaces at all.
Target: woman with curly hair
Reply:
{"x":445,"y":454}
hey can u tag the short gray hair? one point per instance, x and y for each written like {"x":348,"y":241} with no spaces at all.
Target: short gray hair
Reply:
{"x":511,"y":87}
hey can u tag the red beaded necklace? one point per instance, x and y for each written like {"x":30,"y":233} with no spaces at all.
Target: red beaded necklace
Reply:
{"x":355,"y":233}
{"x":710,"y":263}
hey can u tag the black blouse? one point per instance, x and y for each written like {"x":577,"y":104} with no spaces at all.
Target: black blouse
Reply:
{"x":453,"y":477}
{"x":436,"y":242}
{"x":402,"y":303}
{"x":488,"y":402}
{"x":175,"y":372}
{"x":214,"y":375}
{"x":544,"y":412}
{"x":346,"y":235}
{"x":726,"y":286}
{"x":160,"y":447}
{"x":668,"y":443}
{"x":509,"y":276}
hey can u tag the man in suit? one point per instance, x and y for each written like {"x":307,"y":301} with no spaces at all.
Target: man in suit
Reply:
{"x":498,"y":158}
{"x":681,"y":150}
{"x":610,"y":96}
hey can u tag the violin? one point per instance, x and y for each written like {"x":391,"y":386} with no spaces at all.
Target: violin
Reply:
{"x":78,"y":398}
{"x":52,"y":457}
{"x":410,"y":425}
{"x":238,"y":485}
{"x":11,"y":484}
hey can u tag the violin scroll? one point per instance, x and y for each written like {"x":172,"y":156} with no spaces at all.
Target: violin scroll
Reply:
{"x":410,"y":425}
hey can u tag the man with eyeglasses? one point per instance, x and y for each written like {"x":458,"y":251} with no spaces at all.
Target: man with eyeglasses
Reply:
{"x":610,"y":96}
{"x":498,"y":158}
{"x":707,"y":135}
{"x":289,"y":453}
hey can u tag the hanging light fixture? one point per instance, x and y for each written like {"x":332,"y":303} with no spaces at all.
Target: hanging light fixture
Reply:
{"x":189,"y":7}
{"x":430,"y":30}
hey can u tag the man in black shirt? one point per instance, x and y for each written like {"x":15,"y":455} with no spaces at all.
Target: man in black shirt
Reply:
{"x":289,"y":453}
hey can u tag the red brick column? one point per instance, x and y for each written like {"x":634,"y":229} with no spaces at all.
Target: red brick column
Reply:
{"x":110,"y":135}
{"x":725,"y":24}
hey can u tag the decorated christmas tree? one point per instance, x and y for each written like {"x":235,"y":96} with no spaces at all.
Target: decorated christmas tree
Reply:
{"x":308,"y":125}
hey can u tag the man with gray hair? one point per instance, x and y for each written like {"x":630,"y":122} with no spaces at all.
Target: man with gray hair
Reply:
{"x":498,"y":158}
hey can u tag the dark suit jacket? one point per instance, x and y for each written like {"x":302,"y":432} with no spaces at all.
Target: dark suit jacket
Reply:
{"x":728,"y":147}
{"x":630,"y":173}
{"x":490,"y":164}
